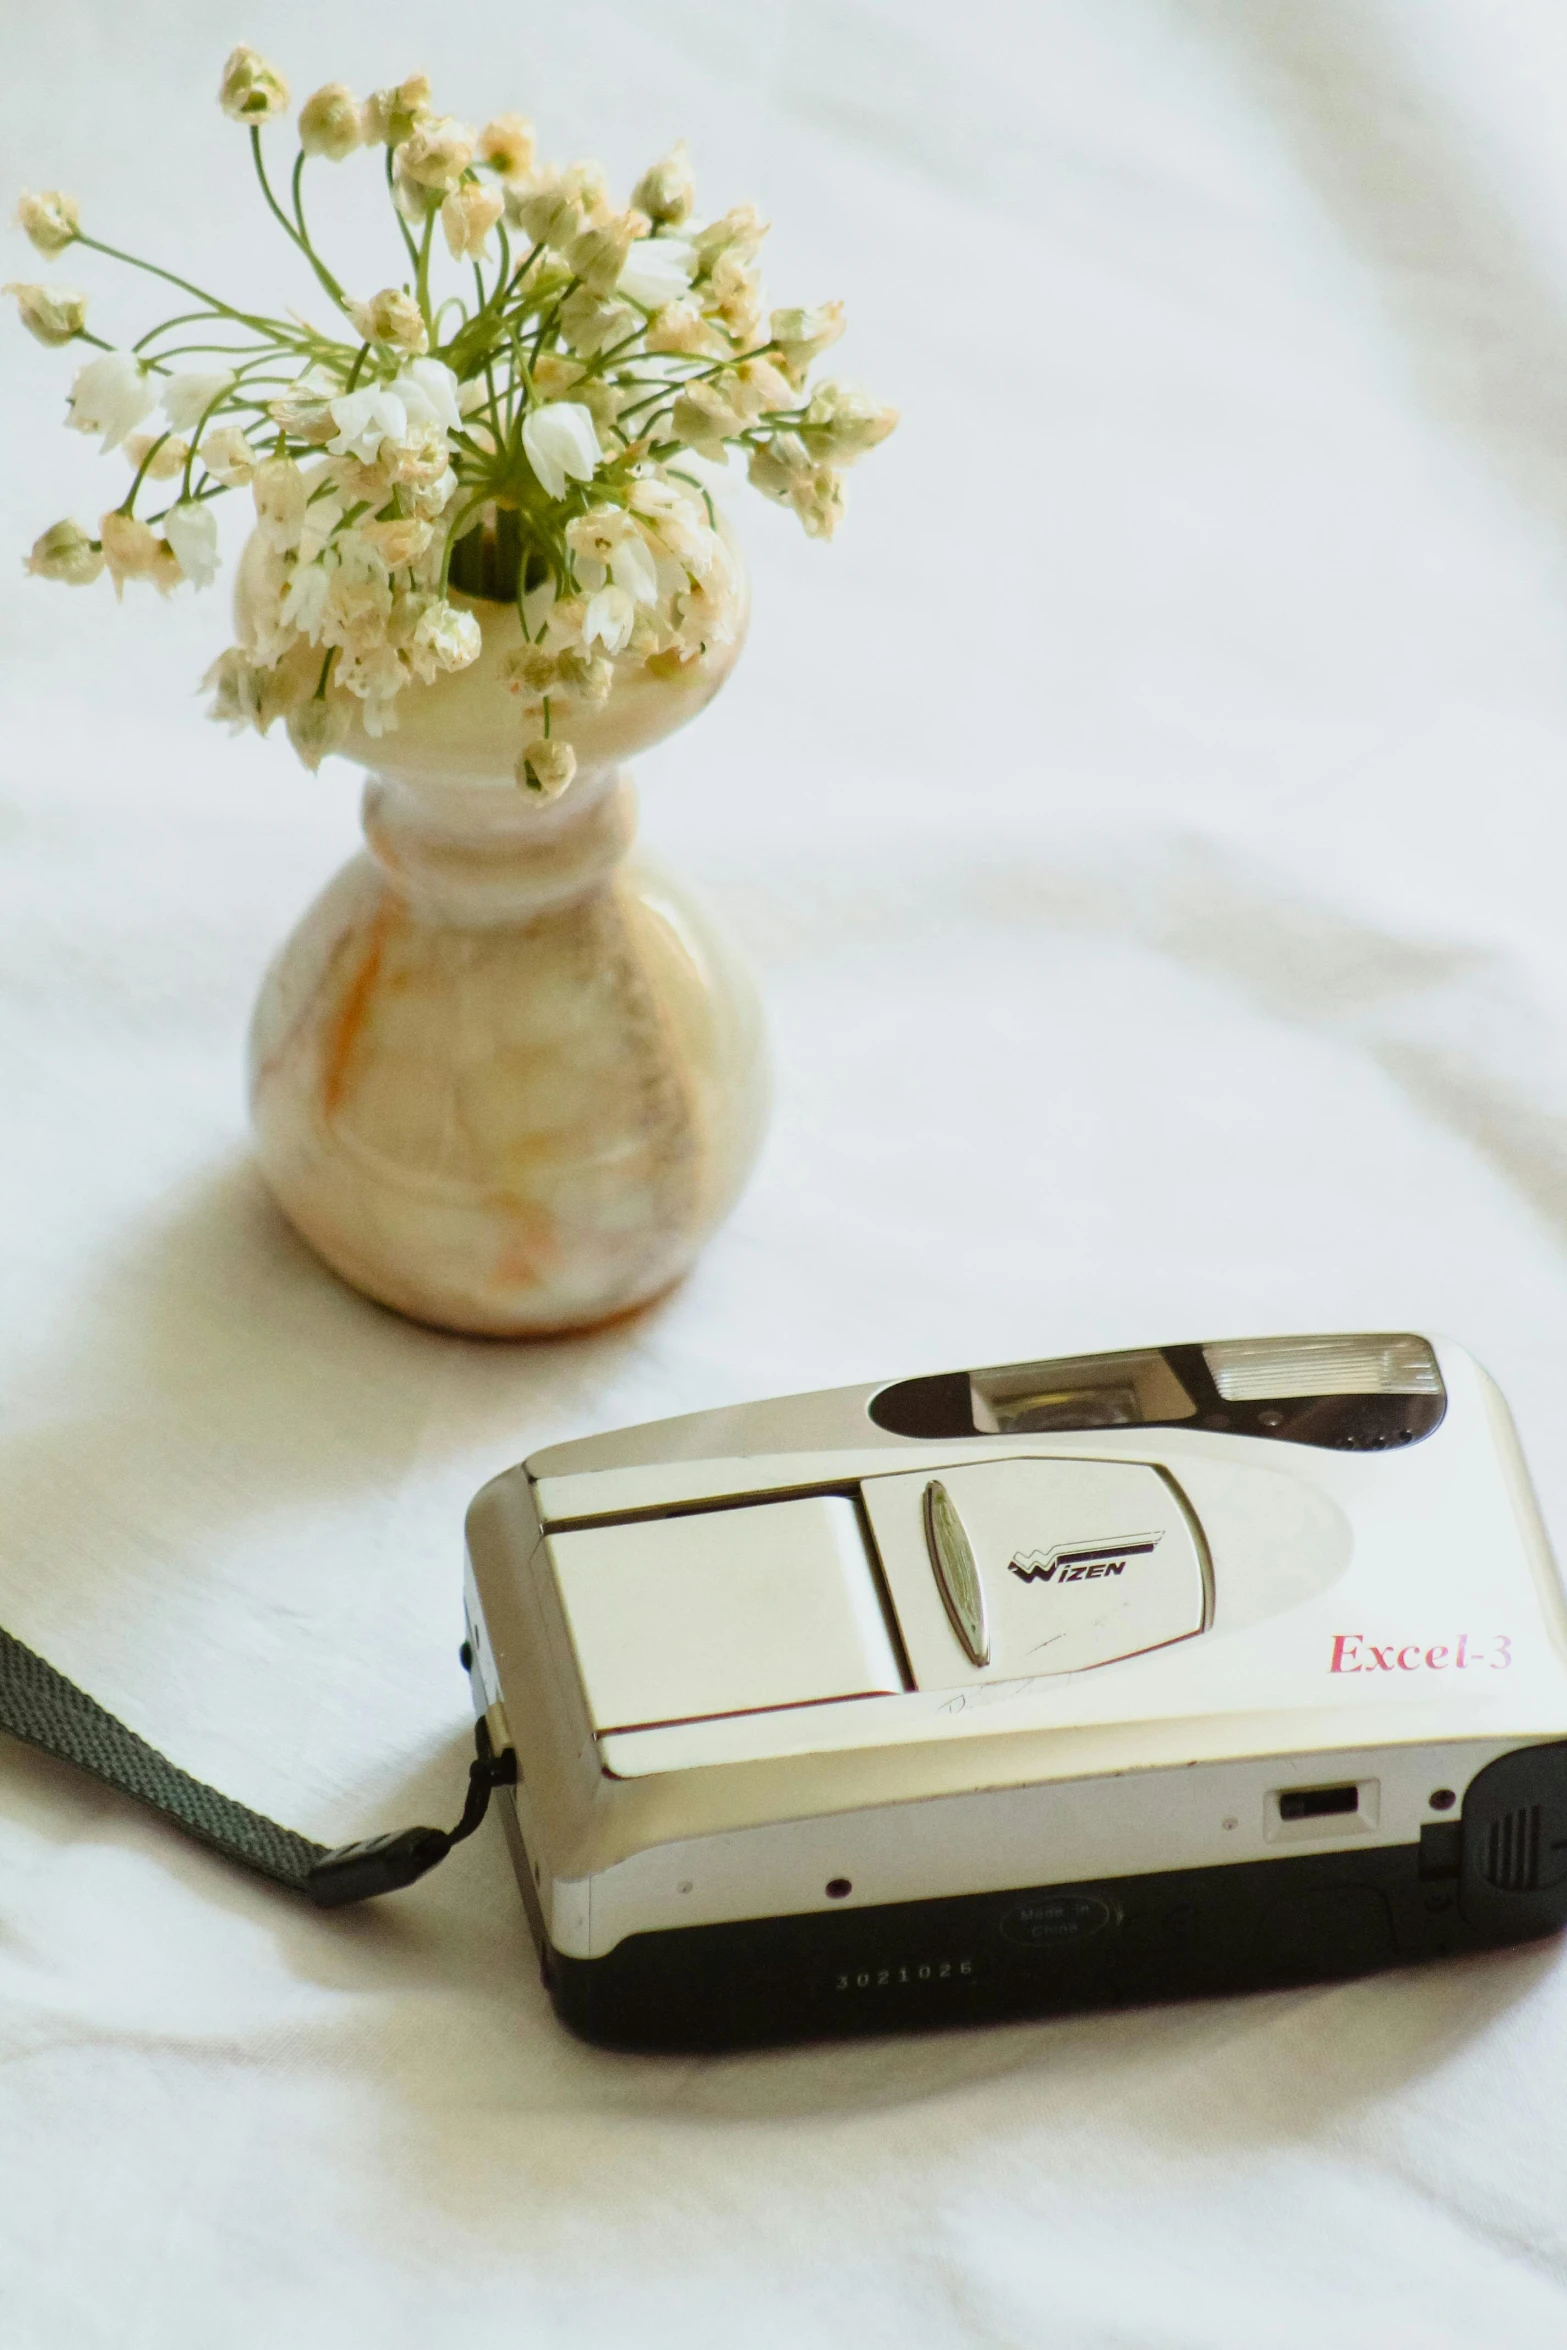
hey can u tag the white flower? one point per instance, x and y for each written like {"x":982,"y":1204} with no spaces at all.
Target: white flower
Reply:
{"x":228,"y":456}
{"x":632,"y":567}
{"x":51,"y":220}
{"x":304,"y":409}
{"x":681,"y":327}
{"x":390,"y":115}
{"x":732,"y":292}
{"x":364,"y":420}
{"x":609,"y":540}
{"x":316,"y":729}
{"x":841,"y":423}
{"x":740,"y":232}
{"x":390,"y":317}
{"x":609,"y":619}
{"x":453,"y":637}
{"x":376,"y":674}
{"x":329,"y":123}
{"x":192,"y":531}
{"x":52,"y":315}
{"x":134,"y":551}
{"x":506,"y":145}
{"x":802,"y":335}
{"x":66,"y":552}
{"x":559,"y":440}
{"x":234,"y":683}
{"x":305,"y":599}
{"x":400,"y":540}
{"x":278,"y":488}
{"x":599,"y":253}
{"x":666,"y":191}
{"x":162,"y":455}
{"x":428,"y":391}
{"x":188,"y":395}
{"x":759,"y":389}
{"x":110,"y":395}
{"x":590,"y":324}
{"x":467,"y":215}
{"x":657,"y":270}
{"x":251,"y":90}
{"x":436,"y":152}
{"x":546,"y":767}
{"x":703,"y":419}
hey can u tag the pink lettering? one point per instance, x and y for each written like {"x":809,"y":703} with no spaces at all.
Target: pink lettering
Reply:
{"x":1384,"y":1663}
{"x":1436,"y":1658}
{"x":1404,"y":1656}
{"x":1343,"y":1642}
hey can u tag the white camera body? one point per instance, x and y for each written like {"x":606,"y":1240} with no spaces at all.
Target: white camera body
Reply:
{"x":1000,"y":1692}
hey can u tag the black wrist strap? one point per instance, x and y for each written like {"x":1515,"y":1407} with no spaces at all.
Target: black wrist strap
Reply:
{"x":44,"y":1709}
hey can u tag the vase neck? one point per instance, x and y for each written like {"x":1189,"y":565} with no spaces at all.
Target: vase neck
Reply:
{"x":480,"y":855}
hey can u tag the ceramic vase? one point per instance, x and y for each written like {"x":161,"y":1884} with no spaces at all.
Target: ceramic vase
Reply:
{"x":504,"y":1077}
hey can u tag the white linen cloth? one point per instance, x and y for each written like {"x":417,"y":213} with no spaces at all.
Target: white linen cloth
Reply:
{"x":1147,"y":822}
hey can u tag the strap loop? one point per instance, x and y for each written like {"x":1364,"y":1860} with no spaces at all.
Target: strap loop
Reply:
{"x":42,"y":1708}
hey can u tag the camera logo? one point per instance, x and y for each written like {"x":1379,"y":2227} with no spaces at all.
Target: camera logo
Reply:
{"x":1079,"y":1562}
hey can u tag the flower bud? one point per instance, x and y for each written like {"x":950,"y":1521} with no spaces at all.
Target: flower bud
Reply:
{"x":530,"y":670}
{"x":703,"y":419}
{"x":134,"y":551}
{"x":436,"y":152}
{"x":188,"y":395}
{"x":162,"y":454}
{"x":506,"y":145}
{"x":841,"y":423}
{"x":452,"y":637}
{"x":667,"y":191}
{"x":66,"y":552}
{"x":110,"y":395}
{"x":391,"y":317}
{"x":559,"y":441}
{"x":468,"y":215}
{"x":400,"y":540}
{"x":802,"y":335}
{"x":329,"y":122}
{"x":278,"y":488}
{"x":390,"y":116}
{"x":228,"y":456}
{"x":192,"y":532}
{"x":51,"y":220}
{"x":251,"y":90}
{"x":739,"y":232}
{"x":316,"y":729}
{"x":51,"y":314}
{"x":546,"y":767}
{"x":235,"y":686}
{"x":598,"y":255}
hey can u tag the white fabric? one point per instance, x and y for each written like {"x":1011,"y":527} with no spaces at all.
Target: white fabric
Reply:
{"x":1147,"y":823}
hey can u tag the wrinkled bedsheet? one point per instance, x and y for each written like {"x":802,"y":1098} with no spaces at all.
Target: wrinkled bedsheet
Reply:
{"x":1147,"y":823}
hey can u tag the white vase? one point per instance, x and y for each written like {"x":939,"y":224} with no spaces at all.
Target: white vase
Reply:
{"x":504,"y":1078}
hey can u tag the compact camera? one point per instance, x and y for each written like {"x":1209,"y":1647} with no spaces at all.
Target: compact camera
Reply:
{"x":1006,"y":1691}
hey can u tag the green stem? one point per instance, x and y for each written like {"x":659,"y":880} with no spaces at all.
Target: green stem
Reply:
{"x":222,"y":309}
{"x":422,"y":274}
{"x":141,"y":474}
{"x":327,"y":281}
{"x":413,"y":250}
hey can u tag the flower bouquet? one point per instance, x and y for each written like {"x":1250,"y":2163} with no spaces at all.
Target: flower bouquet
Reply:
{"x":498,"y":1079}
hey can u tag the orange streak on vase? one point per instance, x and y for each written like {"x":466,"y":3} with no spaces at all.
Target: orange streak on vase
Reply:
{"x":347,"y":1022}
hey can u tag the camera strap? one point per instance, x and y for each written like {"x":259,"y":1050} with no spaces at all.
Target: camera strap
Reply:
{"x":44,"y":1709}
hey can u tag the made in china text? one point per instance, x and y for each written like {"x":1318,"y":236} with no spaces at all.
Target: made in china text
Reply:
{"x":1354,"y":1653}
